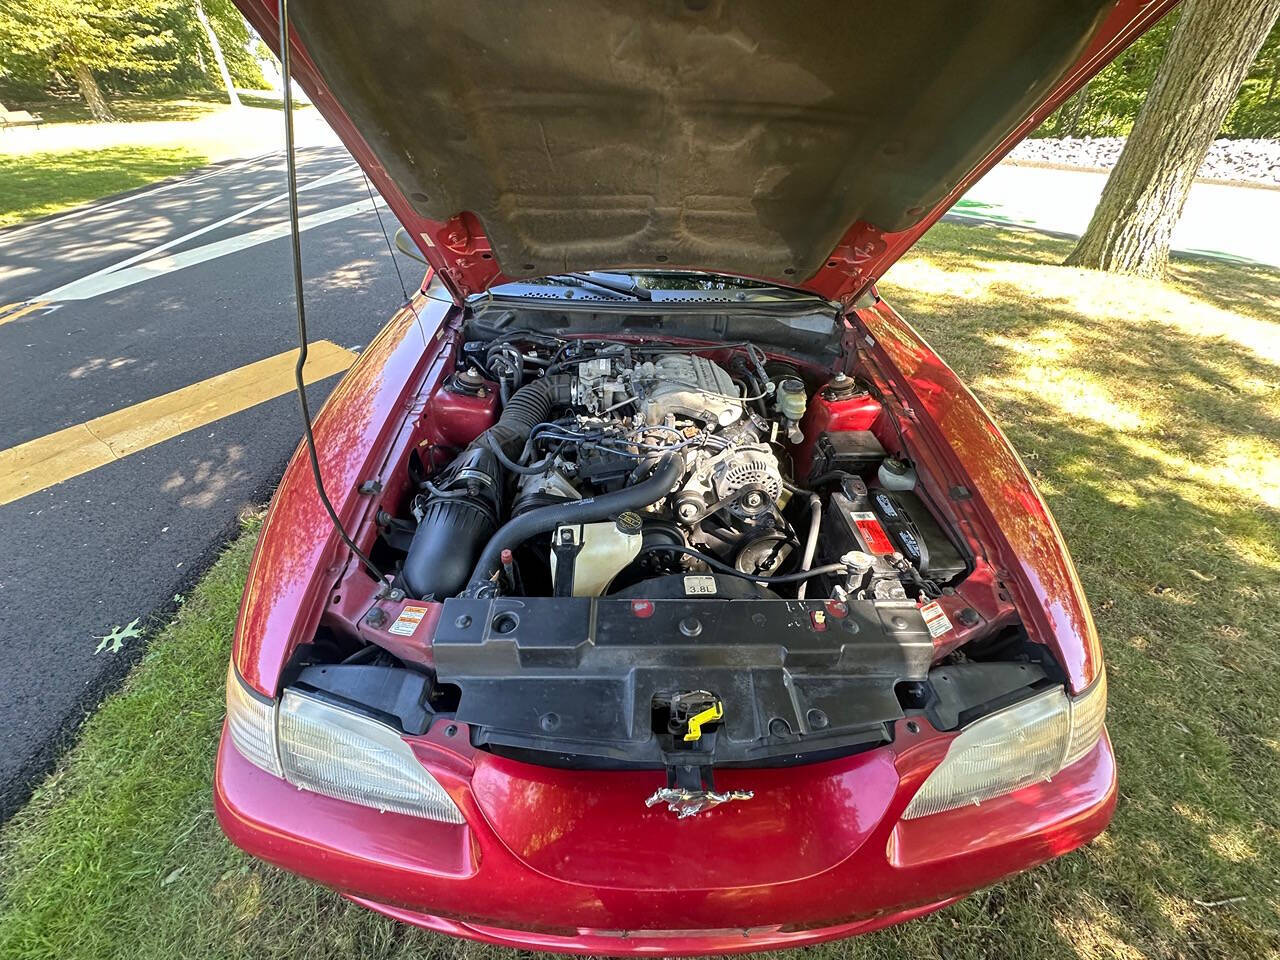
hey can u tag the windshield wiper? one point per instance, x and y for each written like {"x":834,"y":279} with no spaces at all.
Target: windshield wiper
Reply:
{"x":627,"y":287}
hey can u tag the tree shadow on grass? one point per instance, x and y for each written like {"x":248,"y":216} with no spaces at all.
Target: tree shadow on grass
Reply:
{"x":1249,"y":289}
{"x":1157,"y":444}
{"x":32,"y":185}
{"x":184,"y":106}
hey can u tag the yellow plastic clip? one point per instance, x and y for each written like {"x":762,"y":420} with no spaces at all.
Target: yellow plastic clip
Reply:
{"x":709,"y":715}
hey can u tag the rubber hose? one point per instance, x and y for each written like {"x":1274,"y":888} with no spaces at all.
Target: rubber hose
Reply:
{"x":528,"y":407}
{"x":527,"y":470}
{"x":724,"y":568}
{"x":811,"y":544}
{"x":459,"y":519}
{"x":545,"y":519}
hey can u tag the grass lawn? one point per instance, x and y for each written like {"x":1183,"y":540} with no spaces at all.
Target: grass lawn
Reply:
{"x":1150,"y":414}
{"x":71,"y":160}
{"x":189,"y":106}
{"x":39,"y":184}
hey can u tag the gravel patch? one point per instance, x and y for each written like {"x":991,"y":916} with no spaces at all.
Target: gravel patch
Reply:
{"x":1255,"y":161}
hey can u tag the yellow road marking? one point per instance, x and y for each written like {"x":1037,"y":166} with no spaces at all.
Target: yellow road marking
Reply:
{"x":5,"y":318}
{"x":59,"y":456}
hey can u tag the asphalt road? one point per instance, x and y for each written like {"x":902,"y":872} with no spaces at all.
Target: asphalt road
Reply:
{"x":132,"y":299}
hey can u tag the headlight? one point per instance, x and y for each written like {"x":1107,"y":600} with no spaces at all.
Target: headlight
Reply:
{"x":323,"y":748}
{"x":1013,"y":748}
{"x":345,"y":755}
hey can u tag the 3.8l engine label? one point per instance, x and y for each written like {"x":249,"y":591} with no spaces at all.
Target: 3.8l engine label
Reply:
{"x":699,"y":586}
{"x":872,"y":534}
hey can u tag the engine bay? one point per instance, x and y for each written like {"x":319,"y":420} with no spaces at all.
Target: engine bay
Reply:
{"x":651,"y":470}
{"x":627,"y":551}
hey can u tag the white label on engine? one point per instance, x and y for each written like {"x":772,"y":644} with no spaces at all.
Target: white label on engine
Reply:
{"x":408,"y":621}
{"x":699,"y":586}
{"x":935,"y":618}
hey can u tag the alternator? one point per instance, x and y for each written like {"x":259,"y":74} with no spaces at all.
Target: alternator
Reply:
{"x":750,"y":465}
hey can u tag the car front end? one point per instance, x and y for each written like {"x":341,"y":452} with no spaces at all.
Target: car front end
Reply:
{"x":681,"y":599}
{"x":431,"y":760}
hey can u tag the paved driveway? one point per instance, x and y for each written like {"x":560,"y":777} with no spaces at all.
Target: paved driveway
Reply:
{"x":146,"y":356}
{"x":1220,"y":220}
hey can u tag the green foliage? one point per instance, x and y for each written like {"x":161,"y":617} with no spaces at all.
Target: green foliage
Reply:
{"x":131,"y":46}
{"x":98,"y":34}
{"x":1256,"y":112}
{"x":1109,"y":103}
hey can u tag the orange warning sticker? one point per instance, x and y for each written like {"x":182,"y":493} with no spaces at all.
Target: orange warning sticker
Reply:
{"x":935,"y":618}
{"x":408,"y":620}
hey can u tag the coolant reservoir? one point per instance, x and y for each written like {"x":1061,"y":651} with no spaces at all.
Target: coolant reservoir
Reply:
{"x":585,"y":557}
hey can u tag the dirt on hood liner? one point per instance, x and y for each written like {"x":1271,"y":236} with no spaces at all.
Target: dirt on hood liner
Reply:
{"x":742,"y":137}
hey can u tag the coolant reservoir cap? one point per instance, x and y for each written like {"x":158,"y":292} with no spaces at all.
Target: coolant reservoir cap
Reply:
{"x":629,"y":523}
{"x":895,"y":474}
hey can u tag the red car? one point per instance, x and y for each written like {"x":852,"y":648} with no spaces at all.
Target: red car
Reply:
{"x":701,"y":609}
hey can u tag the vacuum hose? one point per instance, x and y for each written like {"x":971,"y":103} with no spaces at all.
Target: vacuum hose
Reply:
{"x":545,"y":519}
{"x":811,"y":544}
{"x":463,"y":511}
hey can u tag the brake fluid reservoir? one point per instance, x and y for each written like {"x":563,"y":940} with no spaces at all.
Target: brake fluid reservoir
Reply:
{"x":585,"y":557}
{"x":791,"y":398}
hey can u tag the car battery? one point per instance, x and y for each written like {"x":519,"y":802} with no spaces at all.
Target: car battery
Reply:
{"x":849,"y":523}
{"x":852,"y":451}
{"x":911,"y":527}
{"x":881,"y":523}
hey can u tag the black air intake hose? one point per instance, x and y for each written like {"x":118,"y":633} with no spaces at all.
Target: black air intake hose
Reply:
{"x":456,"y":525}
{"x":529,"y":406}
{"x":545,"y":519}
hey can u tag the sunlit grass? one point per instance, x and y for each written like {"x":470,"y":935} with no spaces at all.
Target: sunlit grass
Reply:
{"x":1148,"y":414}
{"x":71,"y":161}
{"x":133,"y":109}
{"x":39,"y":184}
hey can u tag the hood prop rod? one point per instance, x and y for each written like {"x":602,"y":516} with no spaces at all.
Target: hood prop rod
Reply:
{"x":291,"y":168}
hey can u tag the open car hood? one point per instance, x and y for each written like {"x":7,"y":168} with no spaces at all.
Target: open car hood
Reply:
{"x":807,"y":144}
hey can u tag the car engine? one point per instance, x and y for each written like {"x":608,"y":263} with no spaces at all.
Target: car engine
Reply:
{"x":652,"y":470}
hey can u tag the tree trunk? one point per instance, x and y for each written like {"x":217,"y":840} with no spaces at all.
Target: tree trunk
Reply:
{"x":91,"y":93}
{"x":1209,"y":54}
{"x":217,"y":54}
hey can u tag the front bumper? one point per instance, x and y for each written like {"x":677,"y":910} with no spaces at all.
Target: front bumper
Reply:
{"x":573,"y":861}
